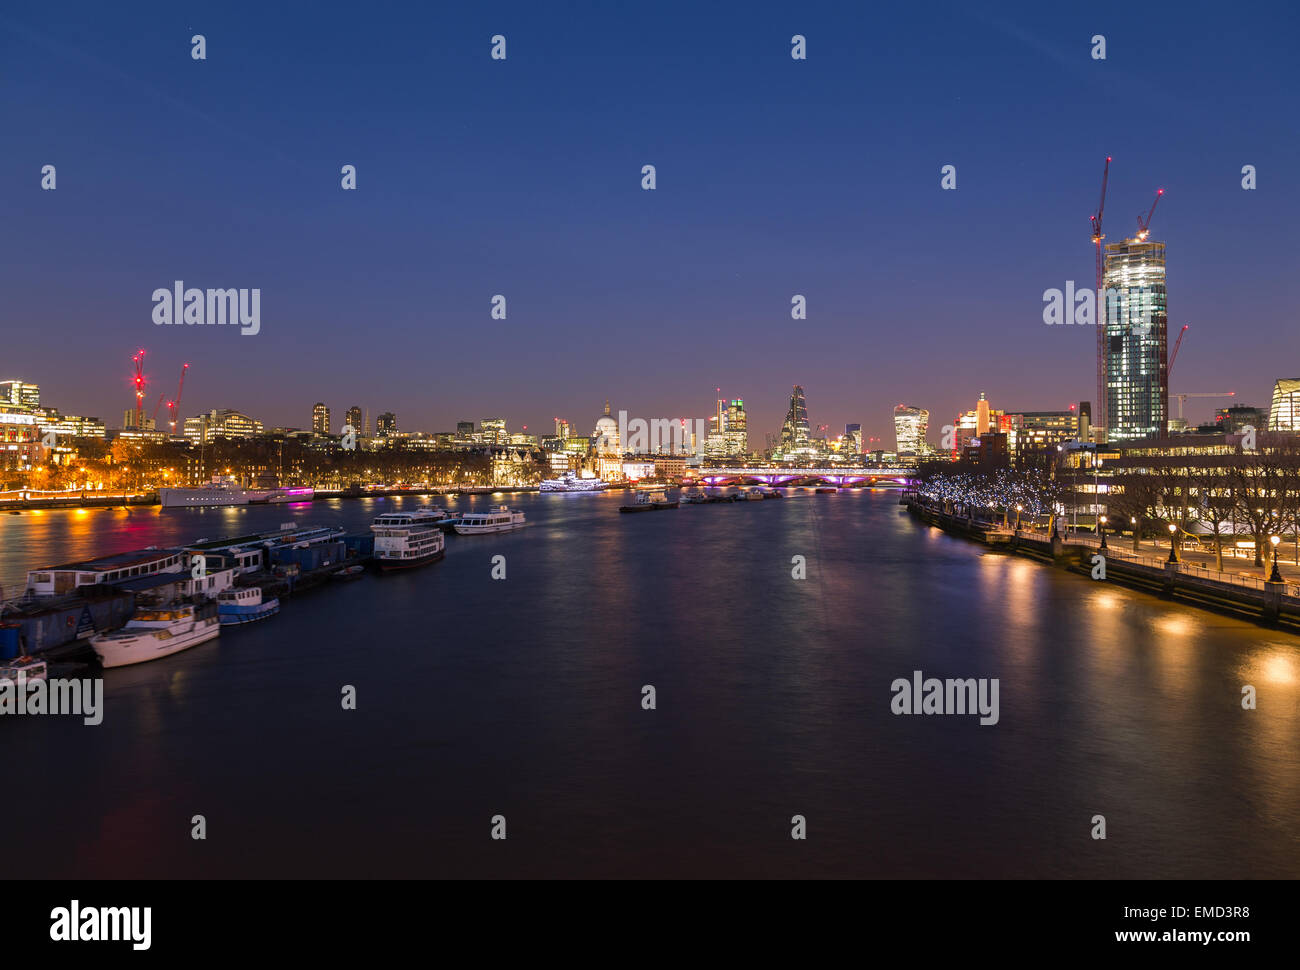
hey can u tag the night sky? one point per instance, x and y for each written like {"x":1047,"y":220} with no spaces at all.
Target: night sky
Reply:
{"x":523,"y":177}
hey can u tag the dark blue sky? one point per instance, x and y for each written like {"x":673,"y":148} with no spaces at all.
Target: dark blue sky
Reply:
{"x":522,"y":177}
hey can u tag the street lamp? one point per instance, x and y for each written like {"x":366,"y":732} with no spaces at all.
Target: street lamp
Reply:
{"x":1018,"y":508}
{"x":1173,"y":546}
{"x":1275,"y":576}
{"x":1103,"y":532}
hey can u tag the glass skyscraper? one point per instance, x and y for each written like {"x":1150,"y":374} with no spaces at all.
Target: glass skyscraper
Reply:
{"x":1137,"y":355}
{"x":1284,"y":414}
{"x":910,"y":426}
{"x":796,"y":431}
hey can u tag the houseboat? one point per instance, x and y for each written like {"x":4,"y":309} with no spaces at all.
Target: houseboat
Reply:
{"x":152,"y":634}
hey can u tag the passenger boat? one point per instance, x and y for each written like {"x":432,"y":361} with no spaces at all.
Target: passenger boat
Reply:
{"x":349,"y":572}
{"x":499,"y":519}
{"x":151,"y":634}
{"x":222,"y":490}
{"x":28,"y":667}
{"x":650,"y":501}
{"x":238,"y":606}
{"x":276,"y":496}
{"x":569,"y":482}
{"x":826,"y":490}
{"x":404,"y":540}
{"x":754,"y":494}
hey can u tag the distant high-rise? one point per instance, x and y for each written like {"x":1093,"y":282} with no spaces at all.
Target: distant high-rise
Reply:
{"x":23,"y":394}
{"x":1085,"y":421}
{"x":494,"y":431}
{"x":795,"y":432}
{"x":1284,"y":414}
{"x":386,"y":424}
{"x":853,"y":435}
{"x":910,"y":427}
{"x":562,"y":429}
{"x":465,"y":430}
{"x":320,"y":419}
{"x":982,"y":415}
{"x":355,"y":417}
{"x":737,"y":428}
{"x":1137,"y":355}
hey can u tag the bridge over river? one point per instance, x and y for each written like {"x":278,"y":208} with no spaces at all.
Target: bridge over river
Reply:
{"x":785,"y":475}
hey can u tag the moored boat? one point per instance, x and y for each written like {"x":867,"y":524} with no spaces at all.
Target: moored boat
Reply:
{"x":569,"y":482}
{"x":650,"y":501}
{"x":29,"y":668}
{"x":499,"y":519}
{"x":152,"y":634}
{"x":238,"y":606}
{"x":349,"y":573}
{"x":405,"y":540}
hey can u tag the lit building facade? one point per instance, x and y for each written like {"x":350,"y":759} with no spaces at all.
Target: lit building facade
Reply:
{"x":23,"y":394}
{"x":221,"y":423}
{"x":910,"y":427}
{"x":1284,"y":413}
{"x":320,"y":419}
{"x":356,"y":418}
{"x":1136,"y":341}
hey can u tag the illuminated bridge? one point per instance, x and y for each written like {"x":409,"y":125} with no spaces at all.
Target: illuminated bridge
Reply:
{"x":785,"y":475}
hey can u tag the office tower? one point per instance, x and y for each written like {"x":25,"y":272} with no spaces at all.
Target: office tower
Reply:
{"x":465,"y":430}
{"x":795,"y":431}
{"x":320,"y":419}
{"x":20,"y":394}
{"x":1137,"y":356}
{"x":386,"y":424}
{"x":355,"y":417}
{"x":1235,"y":419}
{"x":1085,"y":421}
{"x":494,"y":431}
{"x":982,"y":415}
{"x":737,"y":429}
{"x":1284,"y":414}
{"x":853,"y":434}
{"x":221,"y":423}
{"x":562,"y":429}
{"x":910,"y":426}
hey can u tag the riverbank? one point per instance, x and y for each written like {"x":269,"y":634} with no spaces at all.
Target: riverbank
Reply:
{"x":1247,"y":597}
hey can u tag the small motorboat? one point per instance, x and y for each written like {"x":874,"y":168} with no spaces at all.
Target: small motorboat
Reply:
{"x":348,"y":573}
{"x":236,"y":607}
{"x":29,"y":668}
{"x":650,"y":501}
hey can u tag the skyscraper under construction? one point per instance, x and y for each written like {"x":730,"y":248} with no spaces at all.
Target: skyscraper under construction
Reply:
{"x":1136,"y":340}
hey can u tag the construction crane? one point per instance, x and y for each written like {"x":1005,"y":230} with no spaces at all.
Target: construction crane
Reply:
{"x":174,"y":406}
{"x":1174,"y":356}
{"x":1144,"y":226}
{"x":138,"y":360}
{"x":1097,"y":237}
{"x":1184,"y":397}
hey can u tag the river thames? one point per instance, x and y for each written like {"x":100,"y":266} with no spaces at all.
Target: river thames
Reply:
{"x":522,"y":697}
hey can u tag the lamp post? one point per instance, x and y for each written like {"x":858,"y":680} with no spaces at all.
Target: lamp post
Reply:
{"x":1103,"y":532}
{"x":1173,"y":545}
{"x":1018,"y":508}
{"x":1276,"y":575}
{"x":1134,"y":522}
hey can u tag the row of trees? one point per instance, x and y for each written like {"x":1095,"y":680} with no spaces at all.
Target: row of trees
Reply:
{"x":1220,"y":496}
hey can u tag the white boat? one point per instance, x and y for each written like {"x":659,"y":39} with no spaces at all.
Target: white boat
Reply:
{"x":651,"y":500}
{"x":499,"y":519}
{"x":29,"y":668}
{"x":151,"y":634}
{"x":237,"y":606}
{"x":276,"y":496}
{"x":220,"y":491}
{"x":569,"y":482}
{"x":404,"y":540}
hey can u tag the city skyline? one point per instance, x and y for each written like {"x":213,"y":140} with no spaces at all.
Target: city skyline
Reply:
{"x":695,"y":284}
